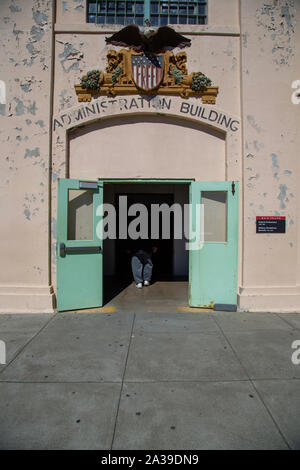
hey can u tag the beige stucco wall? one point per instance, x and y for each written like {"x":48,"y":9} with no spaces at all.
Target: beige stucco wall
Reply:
{"x":270,"y":63}
{"x":25,"y":67}
{"x":248,"y":48}
{"x":147,"y":147}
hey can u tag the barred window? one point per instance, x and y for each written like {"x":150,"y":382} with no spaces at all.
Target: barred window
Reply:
{"x":136,"y":12}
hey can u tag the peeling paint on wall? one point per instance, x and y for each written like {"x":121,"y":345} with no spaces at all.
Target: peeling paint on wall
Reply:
{"x":40,"y":18}
{"x":275,"y":165}
{"x":286,"y":14}
{"x":54,"y":176}
{"x":277,"y":19}
{"x":22,"y":108}
{"x":14,"y":9}
{"x":282,"y":195}
{"x":70,"y":56}
{"x":253,"y":123}
{"x":80,"y":6}
{"x":17,"y":32}
{"x":65,"y":100}
{"x":26,"y":85}
{"x":32,"y":153}
{"x":27,"y":213}
{"x":37,"y":33}
{"x":258,"y":145}
{"x":29,"y":210}
{"x":253,"y":177}
{"x":32,"y":50}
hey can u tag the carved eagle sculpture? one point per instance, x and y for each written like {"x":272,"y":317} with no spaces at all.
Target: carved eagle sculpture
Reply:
{"x":150,"y":40}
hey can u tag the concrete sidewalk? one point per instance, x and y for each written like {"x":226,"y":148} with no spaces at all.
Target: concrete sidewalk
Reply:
{"x":150,"y":380}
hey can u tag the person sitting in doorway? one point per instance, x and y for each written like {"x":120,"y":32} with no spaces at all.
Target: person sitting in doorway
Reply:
{"x":141,"y":264}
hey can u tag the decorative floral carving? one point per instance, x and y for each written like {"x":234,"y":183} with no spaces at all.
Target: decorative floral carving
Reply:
{"x":200,"y":81}
{"x":91,"y":80}
{"x":116,"y":74}
{"x":176,"y":74}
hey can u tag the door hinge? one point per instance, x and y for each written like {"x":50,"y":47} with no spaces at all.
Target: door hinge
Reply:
{"x":88,"y":185}
{"x":233,"y":188}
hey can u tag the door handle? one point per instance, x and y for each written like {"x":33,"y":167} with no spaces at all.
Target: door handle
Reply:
{"x":63,"y":249}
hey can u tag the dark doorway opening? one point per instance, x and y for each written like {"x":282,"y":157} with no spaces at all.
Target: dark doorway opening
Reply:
{"x":163,"y":258}
{"x":170,"y":262}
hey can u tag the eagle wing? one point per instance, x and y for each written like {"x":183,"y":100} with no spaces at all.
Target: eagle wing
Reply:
{"x":166,"y":37}
{"x":127,"y":37}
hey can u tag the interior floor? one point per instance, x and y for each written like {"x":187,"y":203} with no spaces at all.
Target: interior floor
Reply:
{"x":160,"y":296}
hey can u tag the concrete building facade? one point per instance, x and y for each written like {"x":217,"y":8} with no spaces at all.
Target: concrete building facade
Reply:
{"x":248,"y":48}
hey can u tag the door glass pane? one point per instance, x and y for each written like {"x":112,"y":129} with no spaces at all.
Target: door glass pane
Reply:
{"x":215,"y":215}
{"x":80,"y":214}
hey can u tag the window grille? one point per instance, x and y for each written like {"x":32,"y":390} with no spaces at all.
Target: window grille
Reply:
{"x":136,"y":12}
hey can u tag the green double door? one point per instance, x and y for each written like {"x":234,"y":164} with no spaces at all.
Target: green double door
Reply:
{"x":212,"y":246}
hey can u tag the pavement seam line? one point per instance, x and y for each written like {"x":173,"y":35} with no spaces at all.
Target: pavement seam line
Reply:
{"x":122,"y":383}
{"x":199,"y":381}
{"x":231,"y":347}
{"x":287,"y":322}
{"x":255,"y":389}
{"x":28,"y":342}
{"x":270,"y":414}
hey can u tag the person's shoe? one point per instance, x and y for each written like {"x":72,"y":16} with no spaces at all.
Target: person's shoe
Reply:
{"x":139,"y":285}
{"x":146,"y":283}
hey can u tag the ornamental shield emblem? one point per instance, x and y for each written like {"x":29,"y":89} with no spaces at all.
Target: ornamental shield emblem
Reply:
{"x":147,"y":70}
